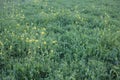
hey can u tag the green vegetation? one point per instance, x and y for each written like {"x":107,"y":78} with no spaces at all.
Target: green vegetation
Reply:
{"x":60,"y":40}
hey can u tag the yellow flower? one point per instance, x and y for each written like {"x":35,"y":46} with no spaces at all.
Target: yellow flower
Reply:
{"x":54,"y":41}
{"x":42,"y":33}
{"x":44,"y":42}
{"x":35,"y":40}
{"x":30,"y":40}
{"x":44,"y":29}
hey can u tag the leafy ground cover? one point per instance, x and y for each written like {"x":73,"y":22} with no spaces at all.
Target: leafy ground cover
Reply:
{"x":60,"y":40}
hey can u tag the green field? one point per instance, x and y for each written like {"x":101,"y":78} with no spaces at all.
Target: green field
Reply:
{"x":59,"y":39}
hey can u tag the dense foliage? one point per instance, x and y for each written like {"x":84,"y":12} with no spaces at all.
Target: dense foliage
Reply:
{"x":60,"y":40}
